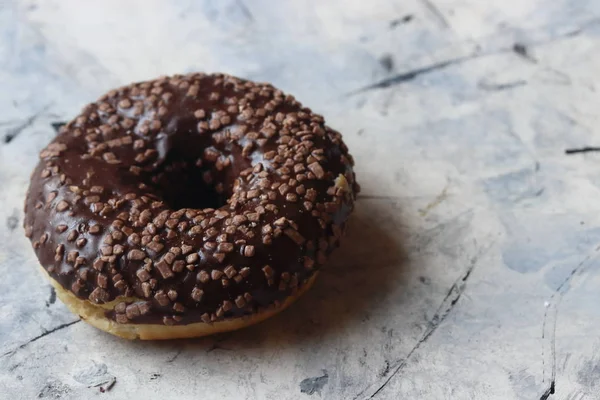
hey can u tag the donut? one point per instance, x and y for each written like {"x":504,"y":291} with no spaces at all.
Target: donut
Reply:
{"x":188,"y":205}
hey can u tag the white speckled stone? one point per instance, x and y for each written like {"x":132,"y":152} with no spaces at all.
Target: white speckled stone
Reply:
{"x":470,"y":270}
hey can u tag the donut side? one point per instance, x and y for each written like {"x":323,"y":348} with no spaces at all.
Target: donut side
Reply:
{"x":94,"y":314}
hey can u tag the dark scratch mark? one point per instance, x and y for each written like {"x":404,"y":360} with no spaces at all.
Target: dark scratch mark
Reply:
{"x":587,"y":149}
{"x":521,"y":50}
{"x":548,"y":392}
{"x":12,"y":222}
{"x":387,"y":62}
{"x":13,"y":133}
{"x":436,"y":13}
{"x":501,"y":86}
{"x":575,"y":32}
{"x":399,"y":21}
{"x":425,"y":280}
{"x":564,"y":366}
{"x":155,"y":376}
{"x":435,"y":202}
{"x":110,"y":386}
{"x":15,"y":366}
{"x":386,"y":369}
{"x":363,"y":360}
{"x":444,"y":309}
{"x":245,"y":10}
{"x":52,"y":298}
{"x":316,"y":384}
{"x":554,"y":303}
{"x":57,"y":125}
{"x":410,"y":75}
{"x":170,"y":360}
{"x":43,"y":334}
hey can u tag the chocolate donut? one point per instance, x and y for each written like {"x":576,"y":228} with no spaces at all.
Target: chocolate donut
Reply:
{"x":188,"y":205}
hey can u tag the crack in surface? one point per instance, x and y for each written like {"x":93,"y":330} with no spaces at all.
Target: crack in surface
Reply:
{"x":245,"y":10}
{"x":521,"y":50}
{"x":515,"y":48}
{"x":553,"y":303}
{"x":497,"y":87}
{"x":586,"y":149}
{"x":43,"y":334}
{"x":13,"y":133}
{"x":436,"y":12}
{"x":548,"y":392}
{"x":175,"y":356}
{"x":399,"y":21}
{"x":442,"y":312}
{"x":411,"y":74}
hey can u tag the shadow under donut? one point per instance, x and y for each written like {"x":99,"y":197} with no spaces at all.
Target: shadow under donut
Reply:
{"x":370,"y":264}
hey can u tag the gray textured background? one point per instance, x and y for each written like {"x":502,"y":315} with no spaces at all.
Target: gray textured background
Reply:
{"x":471,"y":267}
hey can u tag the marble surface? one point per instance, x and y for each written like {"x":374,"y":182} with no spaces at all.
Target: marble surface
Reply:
{"x":471,"y":268}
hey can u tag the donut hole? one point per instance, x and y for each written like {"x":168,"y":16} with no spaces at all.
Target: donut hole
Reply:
{"x":189,"y":190}
{"x":181,"y":184}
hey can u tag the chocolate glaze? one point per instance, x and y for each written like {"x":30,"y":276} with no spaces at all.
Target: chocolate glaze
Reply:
{"x":117,"y":206}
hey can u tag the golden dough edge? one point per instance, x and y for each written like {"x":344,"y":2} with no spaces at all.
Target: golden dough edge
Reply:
{"x":93,"y":314}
